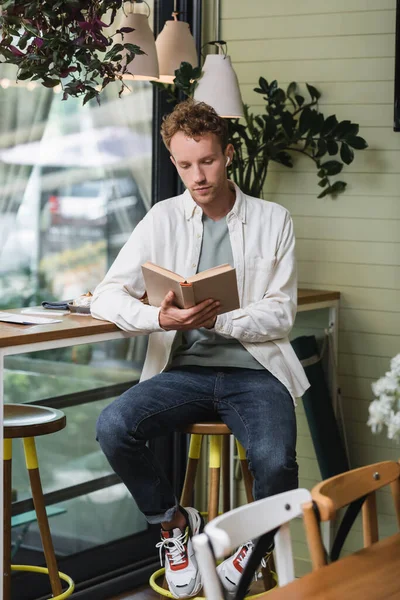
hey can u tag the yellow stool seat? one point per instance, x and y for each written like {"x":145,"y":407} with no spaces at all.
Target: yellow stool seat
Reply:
{"x":28,"y":421}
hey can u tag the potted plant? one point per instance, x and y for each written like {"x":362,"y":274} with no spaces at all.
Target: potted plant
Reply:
{"x":65,"y":42}
{"x":290,"y":124}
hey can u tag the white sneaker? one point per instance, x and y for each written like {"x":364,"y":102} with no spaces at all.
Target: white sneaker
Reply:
{"x":231,"y":569}
{"x":176,"y":551}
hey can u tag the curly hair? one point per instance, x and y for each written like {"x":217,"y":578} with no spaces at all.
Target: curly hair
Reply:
{"x":194,"y":119}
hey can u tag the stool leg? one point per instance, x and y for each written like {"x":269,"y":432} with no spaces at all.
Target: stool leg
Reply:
{"x":226,"y":488}
{"x":214,"y":477}
{"x":7,"y":462}
{"x":247,"y":476}
{"x":40,"y":508}
{"x":191,"y":469}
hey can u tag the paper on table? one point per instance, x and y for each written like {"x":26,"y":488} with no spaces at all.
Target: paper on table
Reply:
{"x":25,"y":319}
{"x":44,"y":311}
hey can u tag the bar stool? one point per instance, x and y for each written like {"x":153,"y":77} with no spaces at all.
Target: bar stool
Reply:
{"x":28,"y":421}
{"x":218,"y":455}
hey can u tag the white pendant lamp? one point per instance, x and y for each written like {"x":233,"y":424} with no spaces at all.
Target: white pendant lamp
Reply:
{"x":143,"y":66}
{"x":219,"y":87}
{"x":175,"y":44}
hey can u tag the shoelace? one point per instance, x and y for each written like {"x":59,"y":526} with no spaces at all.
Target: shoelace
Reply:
{"x":244,"y":556}
{"x":175,"y":547}
{"x":242,"y":560}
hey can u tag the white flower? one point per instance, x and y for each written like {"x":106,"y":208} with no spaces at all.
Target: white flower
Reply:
{"x":385,"y":411}
{"x":384,"y":384}
{"x":395,"y":364}
{"x":394,"y":426}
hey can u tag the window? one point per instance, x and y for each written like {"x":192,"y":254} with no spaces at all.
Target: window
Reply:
{"x":74,"y":182}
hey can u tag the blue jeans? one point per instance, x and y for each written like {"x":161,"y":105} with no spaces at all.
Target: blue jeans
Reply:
{"x":256,"y":407}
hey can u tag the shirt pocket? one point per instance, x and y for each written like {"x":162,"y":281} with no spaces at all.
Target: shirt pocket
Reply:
{"x":258,"y":275}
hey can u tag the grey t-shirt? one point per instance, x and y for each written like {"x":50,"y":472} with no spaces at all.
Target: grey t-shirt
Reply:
{"x":205,"y":347}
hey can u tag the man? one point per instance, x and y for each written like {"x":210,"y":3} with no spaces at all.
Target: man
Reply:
{"x":238,"y":366}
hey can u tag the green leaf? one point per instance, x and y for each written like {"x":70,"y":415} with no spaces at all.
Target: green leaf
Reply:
{"x":346,"y":153}
{"x":89,"y":96}
{"x":291,"y":89}
{"x":322,"y":148}
{"x":134,"y":49}
{"x":329,"y":125}
{"x":357,"y":142}
{"x":31,"y":29}
{"x":50,"y":83}
{"x":332,"y":167}
{"x":314,"y":93}
{"x":299,"y":100}
{"x":353,"y":129}
{"x":278,"y":97}
{"x":284,"y":159}
{"x":342,"y":129}
{"x":325,"y":192}
{"x":332,"y":146}
{"x":264,"y":85}
{"x":338,"y":187}
{"x":288,"y":123}
{"x":323,"y":182}
{"x":269,"y":127}
{"x":23,"y":75}
{"x":306,"y":120}
{"x":273,"y":86}
{"x":321,"y":173}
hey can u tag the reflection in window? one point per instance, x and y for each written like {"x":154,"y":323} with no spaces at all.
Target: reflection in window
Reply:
{"x":71,"y":198}
{"x":74,"y":182}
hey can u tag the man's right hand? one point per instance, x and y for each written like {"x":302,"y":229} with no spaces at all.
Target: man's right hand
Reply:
{"x":172,"y":317}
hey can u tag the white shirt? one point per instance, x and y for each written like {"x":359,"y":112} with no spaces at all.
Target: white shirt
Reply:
{"x":170,"y":235}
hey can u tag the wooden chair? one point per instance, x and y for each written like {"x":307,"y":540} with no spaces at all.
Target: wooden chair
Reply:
{"x":228,"y":531}
{"x":356,"y":490}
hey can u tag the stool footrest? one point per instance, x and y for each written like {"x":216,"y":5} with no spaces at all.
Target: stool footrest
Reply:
{"x":45,"y":571}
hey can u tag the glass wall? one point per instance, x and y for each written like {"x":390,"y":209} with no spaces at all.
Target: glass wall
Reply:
{"x":74,"y":182}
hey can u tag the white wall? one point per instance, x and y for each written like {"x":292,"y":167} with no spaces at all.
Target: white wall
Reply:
{"x":352,"y":244}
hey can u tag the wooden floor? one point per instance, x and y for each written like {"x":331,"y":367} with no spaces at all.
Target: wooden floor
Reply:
{"x":146,"y":593}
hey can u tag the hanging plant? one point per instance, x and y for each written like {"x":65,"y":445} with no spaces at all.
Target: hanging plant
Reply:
{"x":290,"y":124}
{"x":65,"y":43}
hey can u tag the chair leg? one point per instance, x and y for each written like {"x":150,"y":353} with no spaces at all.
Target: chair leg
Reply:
{"x":313,"y":535}
{"x":226,"y":487}
{"x":191,"y":469}
{"x":40,"y":508}
{"x":370,"y":520}
{"x":214,"y":476}
{"x":7,"y":467}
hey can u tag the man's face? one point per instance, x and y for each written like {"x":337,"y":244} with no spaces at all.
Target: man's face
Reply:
{"x":201,"y":165}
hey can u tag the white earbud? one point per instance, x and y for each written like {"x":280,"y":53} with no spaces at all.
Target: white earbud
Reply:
{"x":228,"y":160}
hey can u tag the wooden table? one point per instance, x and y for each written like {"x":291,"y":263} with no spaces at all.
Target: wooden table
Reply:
{"x":75,"y":330}
{"x":370,"y":574}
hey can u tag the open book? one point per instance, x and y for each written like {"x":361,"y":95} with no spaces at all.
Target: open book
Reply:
{"x":218,"y":283}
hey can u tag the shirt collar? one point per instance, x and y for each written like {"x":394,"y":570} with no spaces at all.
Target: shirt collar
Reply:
{"x":238,"y":209}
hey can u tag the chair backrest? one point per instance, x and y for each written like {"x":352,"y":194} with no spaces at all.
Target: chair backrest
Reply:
{"x":228,"y":531}
{"x":349,"y":489}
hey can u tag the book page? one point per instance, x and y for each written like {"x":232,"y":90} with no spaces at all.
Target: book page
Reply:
{"x":166,"y":272}
{"x":210,"y":272}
